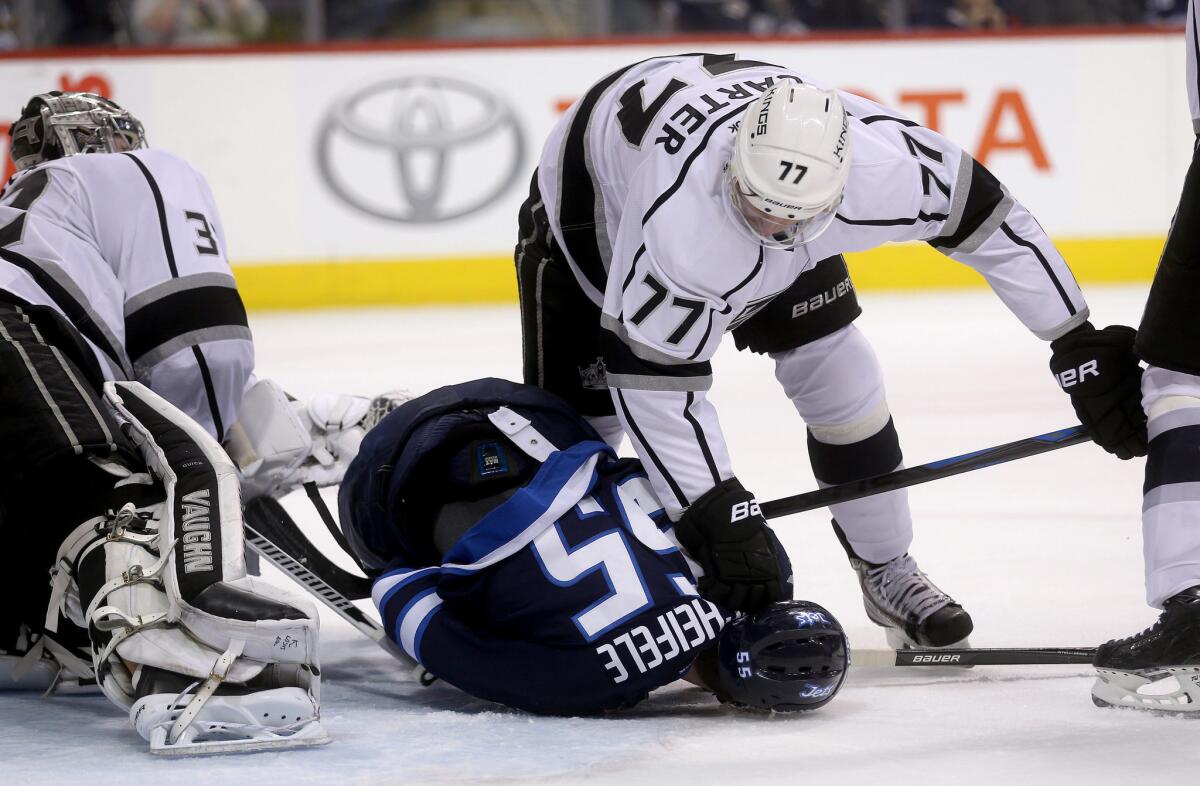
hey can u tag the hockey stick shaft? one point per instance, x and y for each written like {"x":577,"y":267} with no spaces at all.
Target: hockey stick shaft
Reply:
{"x":935,"y":470}
{"x":1045,"y":656}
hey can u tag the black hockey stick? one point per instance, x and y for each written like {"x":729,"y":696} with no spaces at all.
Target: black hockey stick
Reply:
{"x":935,"y":470}
{"x":272,"y":533}
{"x":973,"y":657}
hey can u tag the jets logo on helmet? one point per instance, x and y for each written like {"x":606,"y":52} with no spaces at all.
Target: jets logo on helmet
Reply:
{"x":790,"y":163}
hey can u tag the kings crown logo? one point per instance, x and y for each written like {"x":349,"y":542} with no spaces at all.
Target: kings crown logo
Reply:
{"x":595,"y":376}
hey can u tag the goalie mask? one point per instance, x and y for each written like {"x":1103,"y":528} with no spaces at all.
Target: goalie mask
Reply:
{"x":790,"y":163}
{"x":56,"y":124}
{"x":790,"y":657}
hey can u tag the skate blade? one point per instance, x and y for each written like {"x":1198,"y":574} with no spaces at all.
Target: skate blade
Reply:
{"x":1161,"y":691}
{"x":209,"y":742}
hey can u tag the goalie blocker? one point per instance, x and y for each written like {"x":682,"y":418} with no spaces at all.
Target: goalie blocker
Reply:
{"x":203,"y":657}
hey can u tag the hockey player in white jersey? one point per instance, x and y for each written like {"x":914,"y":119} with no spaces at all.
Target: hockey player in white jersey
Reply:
{"x":687,"y":196}
{"x":1137,"y":672}
{"x":124,"y":358}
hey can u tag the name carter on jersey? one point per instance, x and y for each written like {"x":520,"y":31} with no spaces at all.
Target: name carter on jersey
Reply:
{"x":681,"y":630}
{"x":690,"y":118}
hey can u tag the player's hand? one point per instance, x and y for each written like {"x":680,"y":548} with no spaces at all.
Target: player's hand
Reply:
{"x":1098,"y":370}
{"x":726,"y":533}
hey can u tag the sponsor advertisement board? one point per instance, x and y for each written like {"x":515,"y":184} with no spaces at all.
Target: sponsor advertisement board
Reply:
{"x":394,"y":175}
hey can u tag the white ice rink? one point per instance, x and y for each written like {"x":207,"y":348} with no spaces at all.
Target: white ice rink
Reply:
{"x":1043,"y":552}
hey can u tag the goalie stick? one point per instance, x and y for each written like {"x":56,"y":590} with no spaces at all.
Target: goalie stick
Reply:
{"x":272,"y":533}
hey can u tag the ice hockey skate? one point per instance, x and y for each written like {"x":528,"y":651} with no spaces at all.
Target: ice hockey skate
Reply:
{"x":902,"y":600}
{"x":1158,"y":670}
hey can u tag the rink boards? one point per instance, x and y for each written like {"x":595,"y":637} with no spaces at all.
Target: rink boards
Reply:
{"x":369,"y":175}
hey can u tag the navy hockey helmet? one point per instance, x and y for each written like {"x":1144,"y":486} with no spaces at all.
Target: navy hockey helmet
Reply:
{"x":790,"y":657}
{"x":57,"y":124}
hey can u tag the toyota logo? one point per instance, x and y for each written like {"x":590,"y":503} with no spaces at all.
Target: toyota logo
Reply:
{"x":420,"y":149}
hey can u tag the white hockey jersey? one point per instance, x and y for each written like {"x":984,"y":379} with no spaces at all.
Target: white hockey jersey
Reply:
{"x":129,"y":247}
{"x":633,"y":182}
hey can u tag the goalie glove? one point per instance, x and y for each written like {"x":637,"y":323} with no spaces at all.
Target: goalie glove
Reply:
{"x":280,"y":443}
{"x":1101,"y":374}
{"x":726,"y":533}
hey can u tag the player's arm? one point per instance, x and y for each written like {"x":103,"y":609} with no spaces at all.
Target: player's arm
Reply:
{"x":657,"y":348}
{"x":186,"y":329}
{"x":972,"y":218}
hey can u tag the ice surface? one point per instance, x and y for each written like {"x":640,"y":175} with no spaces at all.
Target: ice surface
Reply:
{"x":1043,"y":552}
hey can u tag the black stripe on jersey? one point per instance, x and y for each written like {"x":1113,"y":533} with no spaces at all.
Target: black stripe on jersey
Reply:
{"x":708,"y":457}
{"x":1195,"y":43}
{"x":1037,"y":252}
{"x":876,"y":455}
{"x":169,"y":250}
{"x":179,"y":313}
{"x":620,"y":359}
{"x":637,"y":433}
{"x":892,"y":222}
{"x":162,"y":213}
{"x":984,"y":195}
{"x":76,"y":313}
{"x":718,"y":123}
{"x":633,"y":268}
{"x":209,"y":391}
{"x":1171,"y":458}
{"x":577,"y":191}
{"x":757,"y":267}
{"x":902,"y":121}
{"x":708,"y":331}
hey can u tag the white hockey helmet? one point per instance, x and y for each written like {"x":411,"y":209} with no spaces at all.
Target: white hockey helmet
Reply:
{"x":790,"y":163}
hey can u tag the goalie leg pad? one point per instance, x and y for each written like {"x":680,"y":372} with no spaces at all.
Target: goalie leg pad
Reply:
{"x":164,"y":589}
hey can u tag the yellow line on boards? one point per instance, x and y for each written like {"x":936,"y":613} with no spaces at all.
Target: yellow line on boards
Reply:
{"x":490,"y":279}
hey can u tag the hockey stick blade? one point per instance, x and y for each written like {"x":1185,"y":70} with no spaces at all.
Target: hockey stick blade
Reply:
{"x":1036,"y":656}
{"x":935,"y":470}
{"x":272,"y":533}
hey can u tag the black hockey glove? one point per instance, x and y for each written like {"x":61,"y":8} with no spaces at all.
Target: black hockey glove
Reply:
{"x":1098,"y":370}
{"x":726,"y":533}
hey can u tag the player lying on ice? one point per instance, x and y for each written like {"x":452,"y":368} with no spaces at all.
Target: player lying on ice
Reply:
{"x":688,"y":196}
{"x":124,"y":357}
{"x":524,"y":563}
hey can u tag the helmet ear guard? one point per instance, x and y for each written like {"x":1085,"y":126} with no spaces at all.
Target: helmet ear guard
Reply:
{"x":790,"y":163}
{"x":55,"y":125}
{"x":790,"y":657}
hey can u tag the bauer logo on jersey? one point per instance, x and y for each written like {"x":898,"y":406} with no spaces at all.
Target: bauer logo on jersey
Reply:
{"x":822,"y":299}
{"x":420,"y":149}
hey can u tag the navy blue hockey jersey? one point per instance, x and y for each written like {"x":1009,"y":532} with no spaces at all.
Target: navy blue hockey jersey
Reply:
{"x":569,"y":598}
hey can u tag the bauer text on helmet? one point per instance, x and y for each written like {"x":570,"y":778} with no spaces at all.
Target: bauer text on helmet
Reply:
{"x":790,"y":163}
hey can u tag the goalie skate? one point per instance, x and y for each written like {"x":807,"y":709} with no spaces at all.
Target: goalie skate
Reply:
{"x":263,"y":720}
{"x":1158,"y":670}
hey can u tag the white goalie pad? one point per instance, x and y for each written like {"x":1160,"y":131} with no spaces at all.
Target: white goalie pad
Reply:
{"x":200,"y":533}
{"x":175,"y":599}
